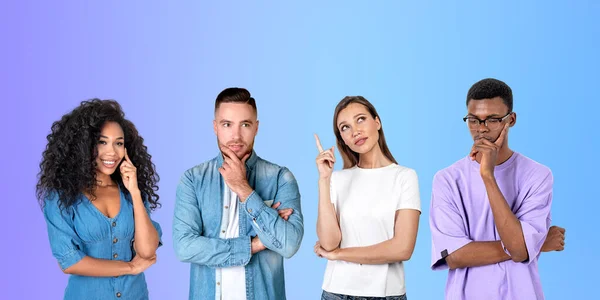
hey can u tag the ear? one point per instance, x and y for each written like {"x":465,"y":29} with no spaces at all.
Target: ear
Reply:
{"x":513,"y":119}
{"x":378,"y":123}
{"x":215,"y":126}
{"x":256,"y":132}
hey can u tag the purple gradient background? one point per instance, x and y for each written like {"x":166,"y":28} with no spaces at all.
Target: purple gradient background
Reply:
{"x":165,"y":63}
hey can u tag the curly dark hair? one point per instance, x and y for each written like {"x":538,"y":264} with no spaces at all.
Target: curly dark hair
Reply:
{"x":68,"y":165}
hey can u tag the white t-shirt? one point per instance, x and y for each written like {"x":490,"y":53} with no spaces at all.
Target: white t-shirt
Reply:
{"x":233,"y":279}
{"x":366,"y":201}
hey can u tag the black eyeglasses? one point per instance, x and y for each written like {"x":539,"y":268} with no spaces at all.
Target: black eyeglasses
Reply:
{"x":490,"y":123}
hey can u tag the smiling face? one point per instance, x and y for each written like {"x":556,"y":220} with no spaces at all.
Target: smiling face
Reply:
{"x":110,"y":147}
{"x":358,"y":129}
{"x":236,"y":127}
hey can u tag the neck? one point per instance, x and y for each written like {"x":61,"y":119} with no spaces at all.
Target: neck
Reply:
{"x":373,"y":159}
{"x":103,"y":180}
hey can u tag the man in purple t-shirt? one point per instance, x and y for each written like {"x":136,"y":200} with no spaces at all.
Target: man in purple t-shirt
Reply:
{"x":490,"y":211}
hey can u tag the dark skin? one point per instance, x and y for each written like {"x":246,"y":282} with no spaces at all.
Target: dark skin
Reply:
{"x":490,"y":148}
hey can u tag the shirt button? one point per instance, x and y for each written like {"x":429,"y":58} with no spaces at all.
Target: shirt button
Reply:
{"x":226,"y":206}
{"x":114,"y":224}
{"x":250,"y":210}
{"x":118,"y":295}
{"x":115,"y":240}
{"x":222,"y":231}
{"x":218,"y":283}
{"x":115,"y":255}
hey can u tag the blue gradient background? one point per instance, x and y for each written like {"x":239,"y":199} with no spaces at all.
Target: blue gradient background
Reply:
{"x":165,"y":63}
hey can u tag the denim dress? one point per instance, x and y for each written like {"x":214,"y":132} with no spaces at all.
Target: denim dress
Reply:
{"x":82,"y":230}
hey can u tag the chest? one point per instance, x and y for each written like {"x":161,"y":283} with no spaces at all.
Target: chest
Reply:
{"x":93,"y":225}
{"x":360,"y":198}
{"x":107,"y":201}
{"x":218,"y":208}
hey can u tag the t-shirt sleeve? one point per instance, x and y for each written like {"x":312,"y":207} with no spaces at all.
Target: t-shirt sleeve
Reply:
{"x":534,"y":215}
{"x":408,"y":190}
{"x":333,"y":195}
{"x":448,"y":231}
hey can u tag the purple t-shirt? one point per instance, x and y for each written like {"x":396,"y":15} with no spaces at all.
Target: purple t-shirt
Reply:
{"x":460,"y":213}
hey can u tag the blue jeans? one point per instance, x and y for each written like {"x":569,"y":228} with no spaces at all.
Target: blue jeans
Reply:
{"x":331,"y":296}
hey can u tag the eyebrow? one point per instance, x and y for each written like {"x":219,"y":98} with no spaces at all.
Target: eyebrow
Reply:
{"x":119,"y":138}
{"x":488,"y":116}
{"x":242,"y":121}
{"x":355,"y":116}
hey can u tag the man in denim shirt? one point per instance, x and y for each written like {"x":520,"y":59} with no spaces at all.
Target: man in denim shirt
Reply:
{"x":226,"y":221}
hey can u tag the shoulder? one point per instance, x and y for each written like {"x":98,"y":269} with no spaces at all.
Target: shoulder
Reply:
{"x":273,"y":170}
{"x":532,"y":171}
{"x":200,"y":170}
{"x":452,"y":172}
{"x":53,"y":206}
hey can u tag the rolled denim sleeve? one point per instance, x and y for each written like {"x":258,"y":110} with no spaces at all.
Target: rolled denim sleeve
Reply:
{"x":65,"y":243}
{"x":189,"y":243}
{"x":277,"y":234}
{"x":154,"y":223}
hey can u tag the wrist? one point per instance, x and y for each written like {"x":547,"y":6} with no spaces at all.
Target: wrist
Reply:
{"x":336,"y":254}
{"x":135,"y":193}
{"x":324,"y":179}
{"x":244,"y":192}
{"x":129,"y":268}
{"x":488,"y":176}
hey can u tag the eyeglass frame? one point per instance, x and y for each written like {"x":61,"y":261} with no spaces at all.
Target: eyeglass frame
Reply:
{"x":500,"y":120}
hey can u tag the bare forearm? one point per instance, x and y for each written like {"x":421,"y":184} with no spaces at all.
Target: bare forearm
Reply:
{"x":146,"y":237}
{"x":328,"y":229}
{"x":509,"y":227}
{"x":89,"y":266}
{"x":477,"y":254}
{"x":386,"y":252}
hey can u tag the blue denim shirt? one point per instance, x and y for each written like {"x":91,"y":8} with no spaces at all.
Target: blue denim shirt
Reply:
{"x":198,"y":227}
{"x":82,"y":230}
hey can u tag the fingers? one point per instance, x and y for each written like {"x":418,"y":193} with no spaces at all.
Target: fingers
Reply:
{"x":319,"y":146}
{"x":276,"y":205}
{"x":500,"y":140}
{"x":229,"y":154}
{"x":285,"y":213}
{"x":127,"y":168}
{"x":127,"y":157}
{"x":245,"y":158}
{"x":326,"y":156}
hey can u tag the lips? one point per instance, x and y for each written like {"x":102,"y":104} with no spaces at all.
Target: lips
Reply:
{"x":109,"y":163}
{"x":360,"y":141}
{"x":235,"y":147}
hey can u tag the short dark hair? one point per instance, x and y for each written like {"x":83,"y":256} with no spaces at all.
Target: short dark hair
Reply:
{"x":491,"y":88}
{"x":235,"y":95}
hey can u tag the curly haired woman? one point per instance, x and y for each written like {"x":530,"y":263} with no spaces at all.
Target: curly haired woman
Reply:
{"x":97,"y":185}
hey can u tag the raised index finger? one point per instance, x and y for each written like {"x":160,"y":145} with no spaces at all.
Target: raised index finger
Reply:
{"x":127,"y":157}
{"x":500,"y":140}
{"x":318,"y":143}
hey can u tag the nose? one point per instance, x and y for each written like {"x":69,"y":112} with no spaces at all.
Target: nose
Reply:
{"x":111,"y":151}
{"x":482,"y":127}
{"x":236,"y":133}
{"x":355,"y":133}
